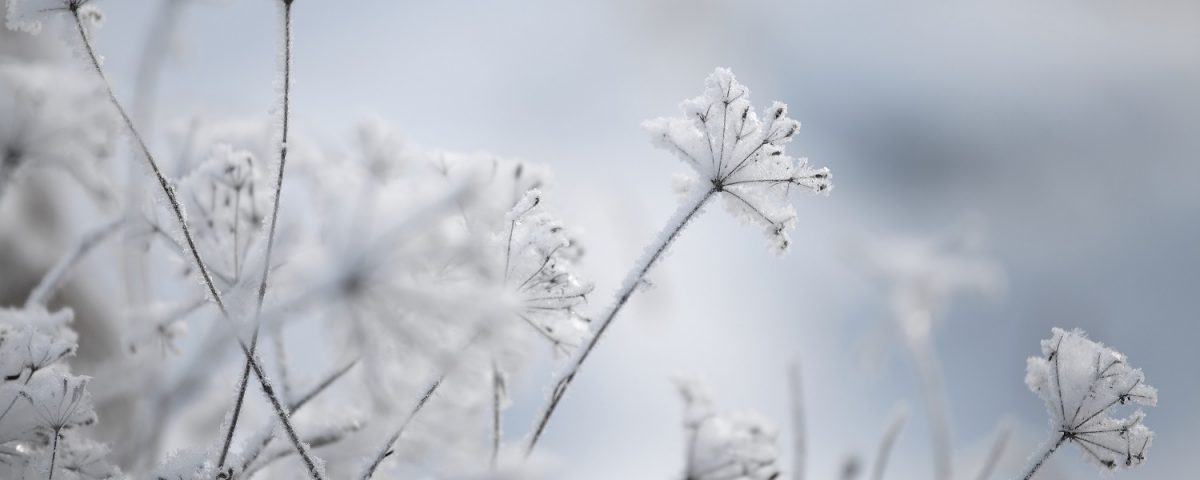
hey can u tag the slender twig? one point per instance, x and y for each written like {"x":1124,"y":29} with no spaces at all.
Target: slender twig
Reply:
{"x":281,"y":362}
{"x":54,"y":279}
{"x":1039,"y":459}
{"x":936,"y":413}
{"x":989,"y":464}
{"x":497,"y":389}
{"x":387,"y":446}
{"x":262,"y":286}
{"x":177,"y":209}
{"x":54,"y":453}
{"x":799,"y":452}
{"x":267,"y":433}
{"x":686,"y":211}
{"x":317,"y":440}
{"x":887,"y":442}
{"x":321,"y":386}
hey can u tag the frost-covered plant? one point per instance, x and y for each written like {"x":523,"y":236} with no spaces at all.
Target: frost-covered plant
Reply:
{"x":725,"y":445}
{"x":735,"y":155}
{"x":44,"y":403}
{"x":1083,"y":383}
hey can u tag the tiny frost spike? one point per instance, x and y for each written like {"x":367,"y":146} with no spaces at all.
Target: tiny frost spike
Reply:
{"x":734,"y":154}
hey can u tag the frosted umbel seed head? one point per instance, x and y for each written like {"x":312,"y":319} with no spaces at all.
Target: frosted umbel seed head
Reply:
{"x":741,"y":155}
{"x":1083,"y":384}
{"x":725,"y":445}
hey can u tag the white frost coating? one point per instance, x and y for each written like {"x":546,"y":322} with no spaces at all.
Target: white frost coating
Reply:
{"x":1082,"y":382}
{"x":740,"y":155}
{"x":725,"y":446}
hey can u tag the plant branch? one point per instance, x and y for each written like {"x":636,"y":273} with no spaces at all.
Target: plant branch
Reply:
{"x":177,"y":210}
{"x":686,"y":211}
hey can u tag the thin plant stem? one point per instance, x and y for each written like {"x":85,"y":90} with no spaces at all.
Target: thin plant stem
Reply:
{"x":1038,"y":459}
{"x":387,"y":446}
{"x":998,"y":446}
{"x":799,"y":452}
{"x":497,"y":385}
{"x":176,"y":208}
{"x":54,"y":453}
{"x":54,"y":279}
{"x":262,"y":286}
{"x":686,"y":211}
{"x":887,"y":442}
{"x":932,"y":392}
{"x":268,"y":432}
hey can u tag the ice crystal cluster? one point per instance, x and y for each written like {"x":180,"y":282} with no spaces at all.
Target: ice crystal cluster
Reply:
{"x":1083,"y":384}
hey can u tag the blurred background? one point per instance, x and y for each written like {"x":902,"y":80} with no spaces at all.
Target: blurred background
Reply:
{"x":1062,"y":135}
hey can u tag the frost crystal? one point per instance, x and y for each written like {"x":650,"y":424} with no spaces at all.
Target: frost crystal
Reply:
{"x":1082,"y":382}
{"x":740,"y":155}
{"x":726,"y":446}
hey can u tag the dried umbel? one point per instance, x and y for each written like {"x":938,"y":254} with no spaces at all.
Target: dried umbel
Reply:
{"x":740,"y":155}
{"x":1083,"y":384}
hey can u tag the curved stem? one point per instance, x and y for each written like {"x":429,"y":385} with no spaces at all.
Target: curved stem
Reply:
{"x":1039,"y":459}
{"x":686,"y":211}
{"x":177,"y":209}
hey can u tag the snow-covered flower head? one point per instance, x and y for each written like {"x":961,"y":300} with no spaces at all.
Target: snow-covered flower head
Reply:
{"x":228,"y":199}
{"x":28,"y":15}
{"x":537,"y":255}
{"x":54,"y":119}
{"x":32,"y":339}
{"x":735,"y":152}
{"x":725,"y":446}
{"x":1083,"y":383}
{"x":922,"y":274}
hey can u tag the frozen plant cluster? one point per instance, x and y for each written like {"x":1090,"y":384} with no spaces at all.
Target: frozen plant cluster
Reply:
{"x":44,"y":404}
{"x":434,"y":278}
